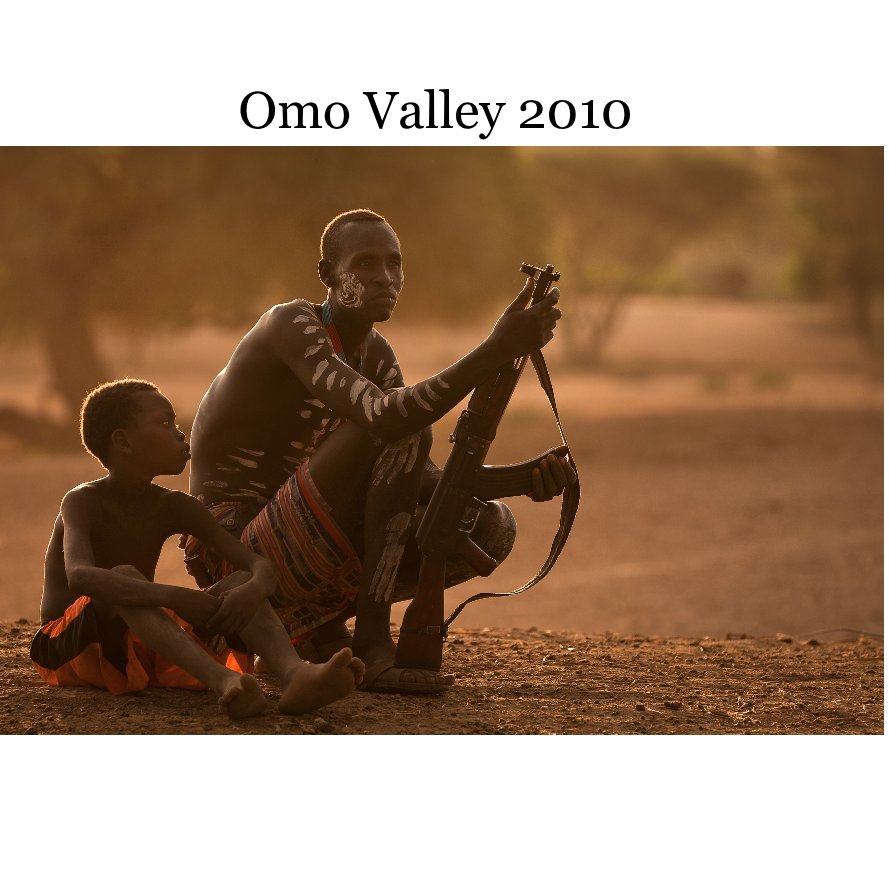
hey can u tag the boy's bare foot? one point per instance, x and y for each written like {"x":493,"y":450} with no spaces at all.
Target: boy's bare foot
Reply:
{"x":313,"y":686}
{"x":242,"y":697}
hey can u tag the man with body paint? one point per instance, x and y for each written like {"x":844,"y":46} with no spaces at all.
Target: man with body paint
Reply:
{"x":311,"y":449}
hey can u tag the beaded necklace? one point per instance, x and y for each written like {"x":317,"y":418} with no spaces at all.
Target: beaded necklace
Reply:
{"x":330,"y":327}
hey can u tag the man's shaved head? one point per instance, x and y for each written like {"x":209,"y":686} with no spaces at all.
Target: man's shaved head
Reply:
{"x":332,"y":235}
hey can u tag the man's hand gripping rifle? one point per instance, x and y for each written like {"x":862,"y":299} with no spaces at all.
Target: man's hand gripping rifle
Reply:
{"x":464,"y":486}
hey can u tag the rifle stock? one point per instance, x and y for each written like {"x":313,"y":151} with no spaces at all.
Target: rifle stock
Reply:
{"x":452,"y":512}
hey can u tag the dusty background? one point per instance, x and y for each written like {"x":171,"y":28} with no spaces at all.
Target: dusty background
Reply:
{"x":732,"y":465}
{"x":731,"y":457}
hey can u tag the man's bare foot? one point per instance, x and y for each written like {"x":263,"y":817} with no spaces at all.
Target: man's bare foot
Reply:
{"x":242,"y":697}
{"x":328,"y":640}
{"x":313,"y":686}
{"x":382,"y":675}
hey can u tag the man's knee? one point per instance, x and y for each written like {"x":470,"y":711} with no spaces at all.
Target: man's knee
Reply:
{"x":496,"y":530}
{"x":494,"y":533}
{"x":424,"y":444}
{"x":406,"y":456}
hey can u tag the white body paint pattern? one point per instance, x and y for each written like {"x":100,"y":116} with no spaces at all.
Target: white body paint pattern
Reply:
{"x":319,"y":368}
{"x":395,"y":538}
{"x":240,"y":460}
{"x":357,"y":388}
{"x":351,"y":291}
{"x":415,"y":394}
{"x":367,"y":403}
{"x":389,"y":380}
{"x":398,"y":457}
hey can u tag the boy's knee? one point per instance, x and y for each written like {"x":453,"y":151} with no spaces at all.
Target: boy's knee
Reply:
{"x":233,"y":580}
{"x":128,"y":570}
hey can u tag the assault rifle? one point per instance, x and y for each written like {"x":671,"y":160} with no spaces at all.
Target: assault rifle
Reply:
{"x":464,"y":486}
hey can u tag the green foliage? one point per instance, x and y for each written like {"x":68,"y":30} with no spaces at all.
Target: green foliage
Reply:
{"x":622,"y":212}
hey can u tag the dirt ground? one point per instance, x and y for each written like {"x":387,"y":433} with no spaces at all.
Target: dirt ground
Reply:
{"x":732,"y":465}
{"x":519,"y":682}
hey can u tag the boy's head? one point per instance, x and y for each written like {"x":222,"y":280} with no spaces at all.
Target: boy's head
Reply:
{"x":130,"y":418}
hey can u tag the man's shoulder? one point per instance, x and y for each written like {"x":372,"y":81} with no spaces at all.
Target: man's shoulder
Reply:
{"x":377,"y":342}
{"x":295,"y":311}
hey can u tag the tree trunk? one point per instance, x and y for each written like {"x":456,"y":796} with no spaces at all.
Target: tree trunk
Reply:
{"x":74,"y":362}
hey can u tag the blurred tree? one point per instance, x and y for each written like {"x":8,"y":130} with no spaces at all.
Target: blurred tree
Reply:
{"x":837,"y":194}
{"x":621,"y":214}
{"x":145,"y":238}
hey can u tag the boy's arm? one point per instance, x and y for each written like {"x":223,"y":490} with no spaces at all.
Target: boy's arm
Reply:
{"x":238,"y":603}
{"x":79,"y":512}
{"x":298,"y":339}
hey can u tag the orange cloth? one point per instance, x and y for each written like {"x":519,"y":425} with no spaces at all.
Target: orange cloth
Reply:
{"x":84,"y":648}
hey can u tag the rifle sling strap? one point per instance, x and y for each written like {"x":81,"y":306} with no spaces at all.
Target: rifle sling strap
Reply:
{"x":570,"y":502}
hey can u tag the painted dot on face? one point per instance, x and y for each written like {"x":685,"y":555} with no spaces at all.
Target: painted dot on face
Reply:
{"x":330,"y":380}
{"x":314,"y":350}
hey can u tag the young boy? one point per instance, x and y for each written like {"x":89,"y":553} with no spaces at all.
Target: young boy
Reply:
{"x":106,"y":622}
